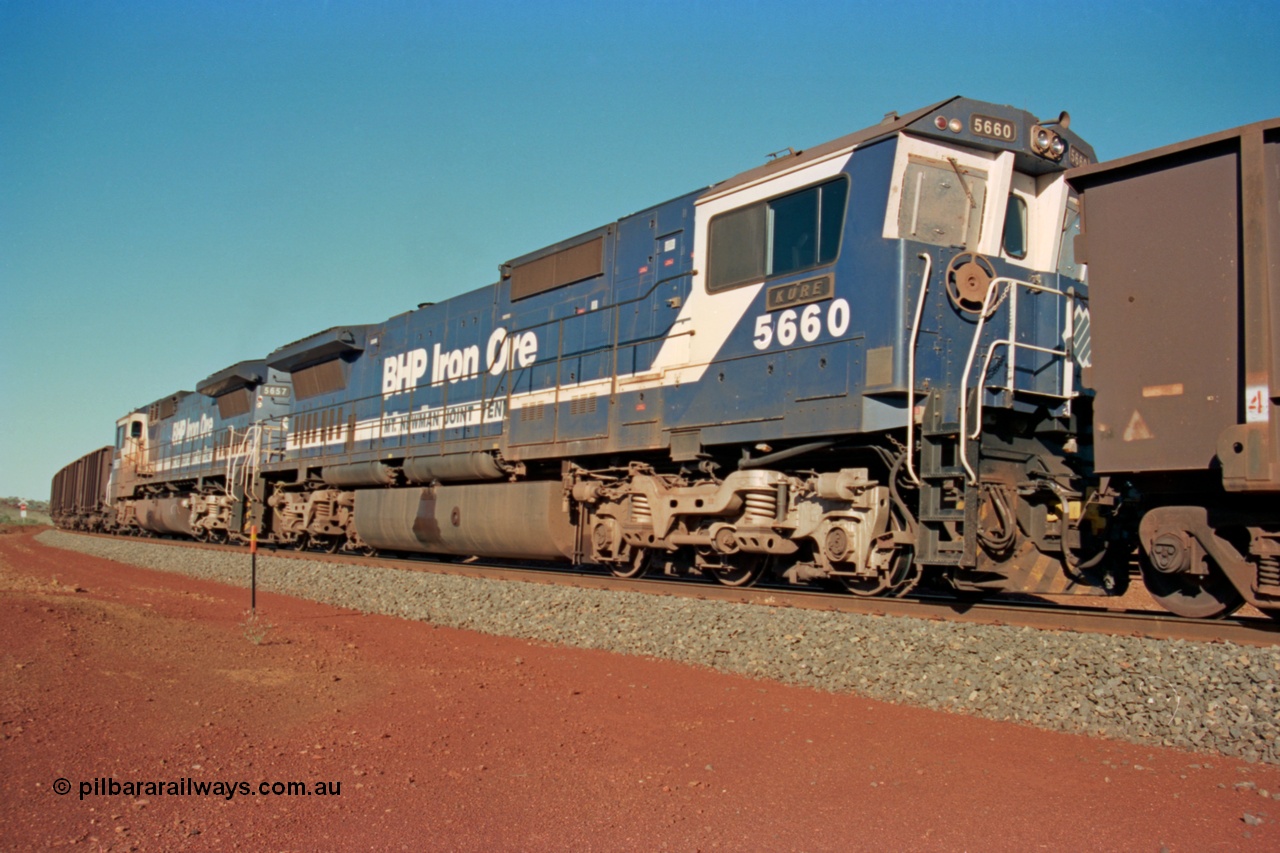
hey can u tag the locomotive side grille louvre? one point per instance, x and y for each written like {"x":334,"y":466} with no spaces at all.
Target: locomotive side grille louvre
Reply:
{"x":162,"y":409}
{"x":323,"y":378}
{"x":533,"y":413}
{"x":582,"y":405}
{"x":577,"y":263}
{"x":235,"y":403}
{"x":168,"y":406}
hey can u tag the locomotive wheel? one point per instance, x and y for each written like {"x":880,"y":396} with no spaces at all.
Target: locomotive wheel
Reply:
{"x":743,"y":569}
{"x":332,"y":544}
{"x":867,"y":587}
{"x":636,"y":567}
{"x":896,"y":582}
{"x":1191,"y":596}
{"x":301,"y":543}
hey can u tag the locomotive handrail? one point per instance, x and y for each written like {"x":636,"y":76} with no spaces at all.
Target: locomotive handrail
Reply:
{"x":1011,"y":286}
{"x":911,"y":367}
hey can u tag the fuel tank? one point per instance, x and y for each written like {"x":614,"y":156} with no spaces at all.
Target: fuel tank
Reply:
{"x":514,"y":520}
{"x":165,"y":515}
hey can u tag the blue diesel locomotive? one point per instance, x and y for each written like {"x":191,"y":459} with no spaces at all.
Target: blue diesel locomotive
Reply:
{"x":858,"y":364}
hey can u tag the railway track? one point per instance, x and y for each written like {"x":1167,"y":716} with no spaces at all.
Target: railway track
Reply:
{"x":1247,"y":631}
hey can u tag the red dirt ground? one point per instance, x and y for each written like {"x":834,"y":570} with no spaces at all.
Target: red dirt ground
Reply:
{"x":444,"y":739}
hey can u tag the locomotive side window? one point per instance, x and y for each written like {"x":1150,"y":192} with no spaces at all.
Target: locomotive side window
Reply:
{"x":942,"y":203}
{"x":737,"y":248}
{"x":784,"y":235}
{"x":804,"y":228}
{"x":1015,"y":227}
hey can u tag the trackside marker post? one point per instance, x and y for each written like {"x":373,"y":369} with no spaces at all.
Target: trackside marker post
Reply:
{"x":253,"y":569}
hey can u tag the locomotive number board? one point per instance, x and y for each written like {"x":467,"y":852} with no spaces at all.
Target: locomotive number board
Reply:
{"x":993,"y":128}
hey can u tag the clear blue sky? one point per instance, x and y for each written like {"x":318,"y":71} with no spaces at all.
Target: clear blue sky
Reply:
{"x":187,"y":184}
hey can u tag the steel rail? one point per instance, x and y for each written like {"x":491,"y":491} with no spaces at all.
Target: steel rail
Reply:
{"x":1154,"y":625}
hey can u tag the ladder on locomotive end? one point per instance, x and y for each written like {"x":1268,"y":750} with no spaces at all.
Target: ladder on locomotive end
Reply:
{"x":950,"y":450}
{"x":250,"y":450}
{"x":948,"y":512}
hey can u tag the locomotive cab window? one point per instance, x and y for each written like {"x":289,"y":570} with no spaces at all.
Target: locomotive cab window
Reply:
{"x":784,"y":235}
{"x":942,"y":202}
{"x":1067,"y":264}
{"x":1015,"y":227}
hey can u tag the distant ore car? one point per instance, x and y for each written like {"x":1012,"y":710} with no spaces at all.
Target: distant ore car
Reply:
{"x":866,"y":363}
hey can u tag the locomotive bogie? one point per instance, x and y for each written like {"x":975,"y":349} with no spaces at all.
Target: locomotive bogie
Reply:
{"x":824,"y":526}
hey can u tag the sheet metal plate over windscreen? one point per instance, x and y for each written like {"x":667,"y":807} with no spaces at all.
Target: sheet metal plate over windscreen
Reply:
{"x":1162,"y":247}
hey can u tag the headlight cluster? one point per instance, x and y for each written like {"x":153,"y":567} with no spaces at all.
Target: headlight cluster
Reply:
{"x":1046,"y":143}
